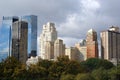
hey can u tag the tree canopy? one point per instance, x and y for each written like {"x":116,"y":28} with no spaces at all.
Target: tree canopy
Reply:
{"x":62,"y":69}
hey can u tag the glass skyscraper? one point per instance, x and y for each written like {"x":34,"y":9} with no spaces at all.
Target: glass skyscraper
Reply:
{"x":6,"y":36}
{"x":5,"y":31}
{"x":32,"y":33}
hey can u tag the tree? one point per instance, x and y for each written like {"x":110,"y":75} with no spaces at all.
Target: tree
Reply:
{"x":84,"y":76}
{"x":1,"y":70}
{"x":55,"y":71}
{"x":95,"y":63}
{"x":58,"y":67}
{"x":115,"y":73}
{"x":73,"y":67}
{"x":67,"y":77}
{"x":20,"y":73}
{"x":100,"y":74}
{"x":9,"y":66}
{"x":45,"y":63}
{"x":36,"y":72}
{"x":63,"y":59}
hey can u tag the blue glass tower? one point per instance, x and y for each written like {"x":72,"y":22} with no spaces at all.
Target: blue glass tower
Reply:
{"x":5,"y":32}
{"x":32,"y":33}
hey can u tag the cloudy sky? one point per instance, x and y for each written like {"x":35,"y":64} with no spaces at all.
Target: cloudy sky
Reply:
{"x":73,"y":18}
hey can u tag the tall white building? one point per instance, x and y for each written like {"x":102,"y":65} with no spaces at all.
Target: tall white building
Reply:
{"x":49,"y":34}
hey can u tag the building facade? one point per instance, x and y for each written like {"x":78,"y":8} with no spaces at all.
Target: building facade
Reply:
{"x":49,"y":34}
{"x":32,"y":60}
{"x":19,"y":40}
{"x":81,"y":50}
{"x":32,"y":33}
{"x":8,"y":21}
{"x":110,"y":44}
{"x":92,"y":44}
{"x":6,"y":27}
{"x":71,"y":53}
{"x":49,"y":50}
{"x":59,"y":49}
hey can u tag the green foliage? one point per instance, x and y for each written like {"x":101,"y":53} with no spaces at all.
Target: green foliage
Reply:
{"x":62,"y":69}
{"x":56,"y":70}
{"x":63,"y":59}
{"x":84,"y":76}
{"x":45,"y":63}
{"x":8,"y":67}
{"x":95,"y":63}
{"x":100,"y":74}
{"x":115,"y":73}
{"x":73,"y":67}
{"x":20,"y":73}
{"x":67,"y":77}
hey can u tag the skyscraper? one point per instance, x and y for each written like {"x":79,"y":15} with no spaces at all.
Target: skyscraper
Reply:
{"x":110,"y":44}
{"x":59,"y":49}
{"x":6,"y":27}
{"x":7,"y":21}
{"x":49,"y":34}
{"x":92,"y":44}
{"x":32,"y":33}
{"x":19,"y":40}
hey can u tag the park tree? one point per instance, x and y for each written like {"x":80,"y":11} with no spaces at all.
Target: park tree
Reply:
{"x":20,"y":72}
{"x":95,"y":63}
{"x":73,"y":67}
{"x":45,"y":63}
{"x":67,"y":77}
{"x":100,"y":74}
{"x":9,"y":65}
{"x":84,"y":76}
{"x":58,"y":67}
{"x":115,"y":73}
{"x":55,"y":71}
{"x":35,"y":72}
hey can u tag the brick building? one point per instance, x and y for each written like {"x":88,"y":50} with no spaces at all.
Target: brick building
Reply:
{"x":92,"y":44}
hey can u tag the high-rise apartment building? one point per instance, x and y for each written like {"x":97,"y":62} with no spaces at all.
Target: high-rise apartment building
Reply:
{"x":92,"y":44}
{"x":49,"y":34}
{"x":19,"y":40}
{"x":81,"y":50}
{"x":59,"y":49}
{"x":49,"y":50}
{"x":32,"y":33}
{"x":110,"y":44}
{"x":71,"y":53}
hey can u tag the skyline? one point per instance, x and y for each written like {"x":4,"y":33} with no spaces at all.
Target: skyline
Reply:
{"x":72,"y":21}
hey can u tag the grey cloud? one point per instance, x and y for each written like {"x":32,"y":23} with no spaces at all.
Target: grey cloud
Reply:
{"x":55,"y":10}
{"x":97,"y":14}
{"x":73,"y":18}
{"x":69,"y":41}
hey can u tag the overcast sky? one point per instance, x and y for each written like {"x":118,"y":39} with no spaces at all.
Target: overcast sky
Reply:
{"x":73,"y":18}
